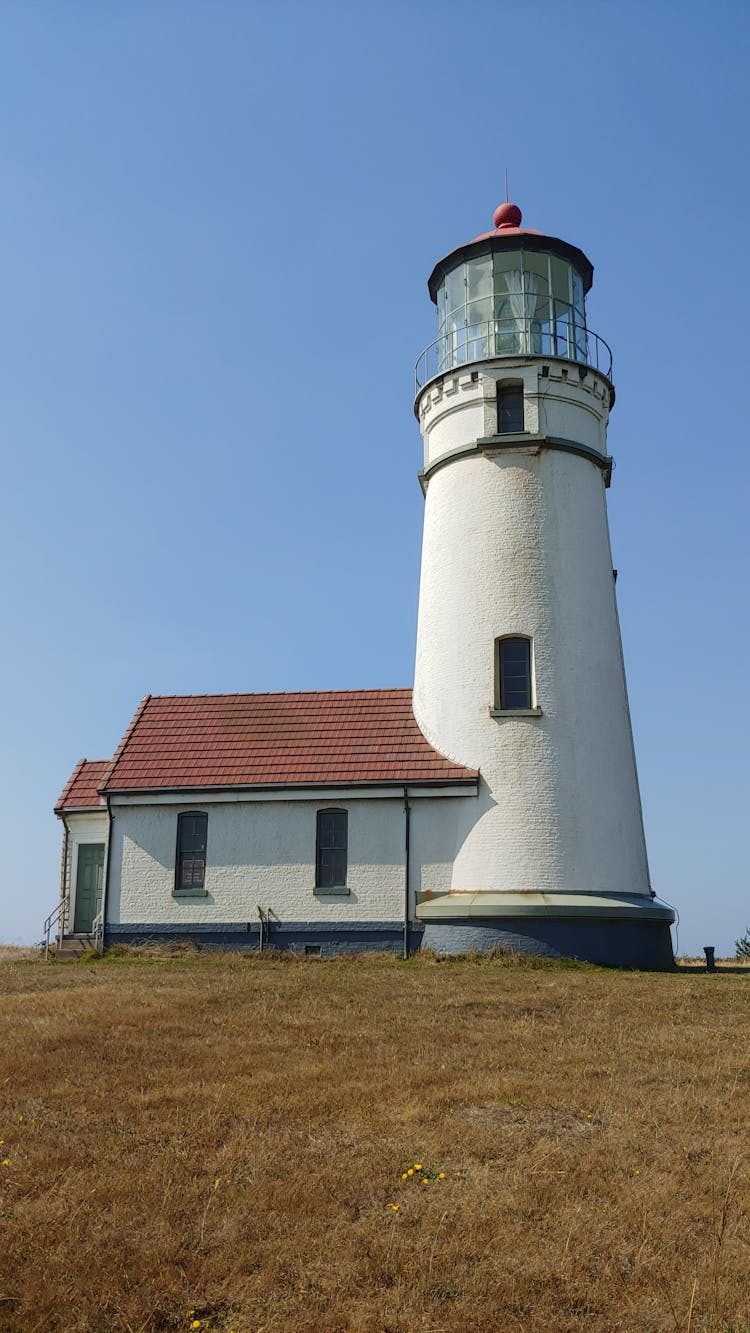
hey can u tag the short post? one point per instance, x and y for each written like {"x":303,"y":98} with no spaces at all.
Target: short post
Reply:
{"x":709,"y":950}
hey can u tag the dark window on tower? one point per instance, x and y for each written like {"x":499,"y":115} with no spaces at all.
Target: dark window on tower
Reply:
{"x":514,"y":674}
{"x":190,"y":870}
{"x":330,"y":849}
{"x":509,"y":409}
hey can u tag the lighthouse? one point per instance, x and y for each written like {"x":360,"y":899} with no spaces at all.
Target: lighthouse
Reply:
{"x":519,"y":666}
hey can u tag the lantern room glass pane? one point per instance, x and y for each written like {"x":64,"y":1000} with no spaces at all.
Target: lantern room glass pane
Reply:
{"x":536,"y":272}
{"x":507,"y":271}
{"x":455,"y":290}
{"x":560,"y":279}
{"x":478,"y":328}
{"x":479,"y":278}
{"x":442,"y":307}
{"x":579,"y":318}
{"x":578,"y":299}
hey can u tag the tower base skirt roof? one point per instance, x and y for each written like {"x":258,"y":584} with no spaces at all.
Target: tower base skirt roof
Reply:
{"x":612,"y":930}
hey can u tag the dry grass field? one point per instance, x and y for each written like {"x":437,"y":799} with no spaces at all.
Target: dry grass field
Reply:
{"x":220,"y":1143}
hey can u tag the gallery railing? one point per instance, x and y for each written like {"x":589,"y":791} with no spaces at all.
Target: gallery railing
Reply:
{"x":516,"y":336}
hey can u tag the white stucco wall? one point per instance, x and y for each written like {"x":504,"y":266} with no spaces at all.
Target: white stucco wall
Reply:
{"x":518,"y":543}
{"x":262,"y":853}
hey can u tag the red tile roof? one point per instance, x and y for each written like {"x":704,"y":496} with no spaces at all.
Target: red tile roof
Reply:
{"x":81,"y":791}
{"x":268,"y":740}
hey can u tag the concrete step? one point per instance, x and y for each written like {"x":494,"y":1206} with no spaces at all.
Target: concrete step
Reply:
{"x":72,"y":946}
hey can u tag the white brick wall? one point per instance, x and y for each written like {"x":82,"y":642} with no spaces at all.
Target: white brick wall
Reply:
{"x":518,"y":543}
{"x":263,"y":853}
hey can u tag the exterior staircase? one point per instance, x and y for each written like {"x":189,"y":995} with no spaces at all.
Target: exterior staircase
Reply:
{"x":66,"y":945}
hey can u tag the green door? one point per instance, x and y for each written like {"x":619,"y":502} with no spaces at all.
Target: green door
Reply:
{"x":88,"y":886}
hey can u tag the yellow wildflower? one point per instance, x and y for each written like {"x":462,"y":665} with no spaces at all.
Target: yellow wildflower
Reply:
{"x":425,"y":1181}
{"x":404,"y":1176}
{"x":410,"y":1172}
{"x":394,"y":1207}
{"x":417,"y":1166}
{"x":6,"y":1161}
{"x":196,"y":1323}
{"x":441,"y":1175}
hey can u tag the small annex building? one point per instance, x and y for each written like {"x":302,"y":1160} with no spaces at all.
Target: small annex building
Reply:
{"x":306,"y":821}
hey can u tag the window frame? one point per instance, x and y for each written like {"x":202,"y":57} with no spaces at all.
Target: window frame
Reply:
{"x":181,"y":852}
{"x":529,"y":708}
{"x":338,"y":885}
{"x":504,"y":389}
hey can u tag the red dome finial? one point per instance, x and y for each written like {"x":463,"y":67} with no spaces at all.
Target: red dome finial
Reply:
{"x":507,"y":216}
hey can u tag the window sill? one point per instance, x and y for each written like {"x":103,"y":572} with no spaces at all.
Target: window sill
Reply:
{"x":515,"y":712}
{"x":333,"y":891}
{"x":189,"y":893}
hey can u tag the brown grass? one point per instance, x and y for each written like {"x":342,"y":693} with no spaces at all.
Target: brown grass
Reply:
{"x":225,"y":1136}
{"x":18,"y":953}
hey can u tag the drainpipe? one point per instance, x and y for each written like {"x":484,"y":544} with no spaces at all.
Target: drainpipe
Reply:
{"x":107,"y":863}
{"x":64,"y":866}
{"x":260,"y":929}
{"x":407,"y":882}
{"x":63,"y":878}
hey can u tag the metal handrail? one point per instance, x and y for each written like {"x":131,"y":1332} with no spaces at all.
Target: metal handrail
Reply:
{"x":515,"y":336}
{"x":97,"y":929}
{"x":58,"y":915}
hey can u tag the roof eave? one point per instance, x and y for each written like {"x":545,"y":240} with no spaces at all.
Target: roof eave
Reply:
{"x":465,"y":780}
{"x":80,"y":809}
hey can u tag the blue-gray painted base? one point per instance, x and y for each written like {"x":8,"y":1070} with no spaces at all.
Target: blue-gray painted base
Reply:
{"x":634,"y":944}
{"x":646,"y":945}
{"x":328,"y":938}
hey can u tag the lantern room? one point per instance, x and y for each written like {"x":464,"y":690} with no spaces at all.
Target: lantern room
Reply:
{"x":512,"y":292}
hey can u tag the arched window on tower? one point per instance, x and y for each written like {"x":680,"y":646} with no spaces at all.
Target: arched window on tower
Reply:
{"x":513,"y":674}
{"x":510,"y":408}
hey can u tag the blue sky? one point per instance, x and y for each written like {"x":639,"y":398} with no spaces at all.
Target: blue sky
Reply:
{"x":217,"y":224}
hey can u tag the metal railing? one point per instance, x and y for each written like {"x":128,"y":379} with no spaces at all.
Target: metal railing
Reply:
{"x":97,"y":930}
{"x":517,"y":336}
{"x":57,"y":918}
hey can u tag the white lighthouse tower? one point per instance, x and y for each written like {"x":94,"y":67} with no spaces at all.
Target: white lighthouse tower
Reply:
{"x":519,"y":668}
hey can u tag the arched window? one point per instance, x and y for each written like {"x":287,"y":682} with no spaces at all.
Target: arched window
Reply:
{"x":513,"y":674}
{"x":331,"y":849}
{"x":190,"y":862}
{"x":509,"y":408}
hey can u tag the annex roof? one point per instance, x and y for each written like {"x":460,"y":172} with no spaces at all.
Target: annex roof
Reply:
{"x":81,"y":791}
{"x":182,"y":742}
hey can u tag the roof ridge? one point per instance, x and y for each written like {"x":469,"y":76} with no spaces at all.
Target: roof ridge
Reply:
{"x":285,"y":694}
{"x":117,"y":756}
